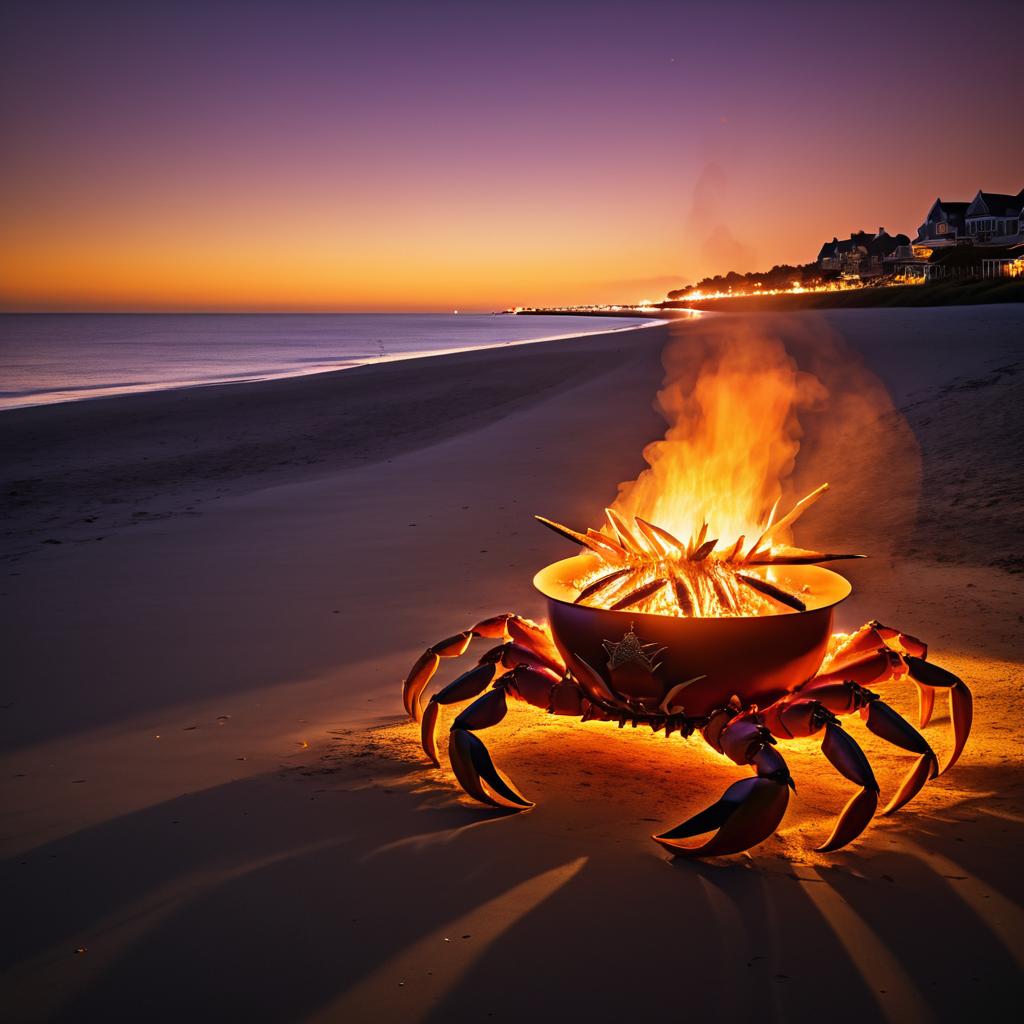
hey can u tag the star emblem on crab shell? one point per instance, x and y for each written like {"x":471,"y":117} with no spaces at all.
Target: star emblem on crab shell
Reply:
{"x":632,"y":650}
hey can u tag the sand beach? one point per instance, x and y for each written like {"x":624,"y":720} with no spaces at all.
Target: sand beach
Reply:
{"x":215,"y":808}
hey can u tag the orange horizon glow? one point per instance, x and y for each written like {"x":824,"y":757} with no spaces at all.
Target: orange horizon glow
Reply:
{"x":258,"y":159}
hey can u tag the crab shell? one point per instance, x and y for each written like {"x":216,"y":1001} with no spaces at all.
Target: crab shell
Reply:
{"x":757,"y":658}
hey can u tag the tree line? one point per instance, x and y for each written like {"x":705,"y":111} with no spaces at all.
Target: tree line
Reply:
{"x":782,"y":276}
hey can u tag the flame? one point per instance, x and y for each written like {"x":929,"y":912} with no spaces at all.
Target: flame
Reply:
{"x":697,"y":532}
{"x":733,"y":435}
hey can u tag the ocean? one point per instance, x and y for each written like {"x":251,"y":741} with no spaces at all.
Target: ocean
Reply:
{"x":46,"y":358}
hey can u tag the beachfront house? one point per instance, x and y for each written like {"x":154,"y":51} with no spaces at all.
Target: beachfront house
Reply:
{"x":994,"y":218}
{"x":863,"y":255}
{"x":943,"y":224}
{"x":982,"y":238}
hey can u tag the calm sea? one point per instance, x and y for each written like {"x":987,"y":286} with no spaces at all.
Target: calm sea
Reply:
{"x":60,"y":358}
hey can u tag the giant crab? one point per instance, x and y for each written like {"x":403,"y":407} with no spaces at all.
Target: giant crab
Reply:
{"x":744,"y":683}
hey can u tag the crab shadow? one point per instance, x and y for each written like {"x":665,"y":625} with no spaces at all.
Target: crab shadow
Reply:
{"x":283,"y":896}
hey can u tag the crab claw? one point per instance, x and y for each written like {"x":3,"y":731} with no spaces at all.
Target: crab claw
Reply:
{"x":748,"y":813}
{"x":961,"y":703}
{"x":416,"y":682}
{"x":473,"y":767}
{"x":853,"y":819}
{"x":893,"y":727}
{"x":961,"y":711}
{"x":849,"y":760}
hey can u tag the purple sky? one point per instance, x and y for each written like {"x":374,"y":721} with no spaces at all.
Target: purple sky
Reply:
{"x":431,"y":155}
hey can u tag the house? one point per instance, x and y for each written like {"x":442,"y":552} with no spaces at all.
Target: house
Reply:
{"x":943,"y":224}
{"x":991,"y":218}
{"x":994,"y":218}
{"x":862,"y":255}
{"x":987,"y":234}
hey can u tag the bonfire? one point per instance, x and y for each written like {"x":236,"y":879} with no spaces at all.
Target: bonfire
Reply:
{"x":660,"y":620}
{"x":646,"y":568}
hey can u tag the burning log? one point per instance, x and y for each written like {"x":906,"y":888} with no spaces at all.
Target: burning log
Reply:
{"x":668,"y":541}
{"x":702,"y":581}
{"x":627,"y":538}
{"x":786,"y":555}
{"x":772,"y":591}
{"x":638,"y":595}
{"x":564,"y":531}
{"x":703,"y":551}
{"x":724,"y":594}
{"x":615,"y":551}
{"x":601,"y":582}
{"x":695,"y":544}
{"x":790,"y":517}
{"x":683,"y":597}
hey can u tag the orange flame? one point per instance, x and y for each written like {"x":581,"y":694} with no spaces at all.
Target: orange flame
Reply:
{"x":732,"y":403}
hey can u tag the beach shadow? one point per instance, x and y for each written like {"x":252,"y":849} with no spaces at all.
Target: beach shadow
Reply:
{"x":256,"y":900}
{"x":361,"y":893}
{"x":862,"y":935}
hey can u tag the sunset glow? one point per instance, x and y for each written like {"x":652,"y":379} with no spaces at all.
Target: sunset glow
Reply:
{"x":369,"y":159}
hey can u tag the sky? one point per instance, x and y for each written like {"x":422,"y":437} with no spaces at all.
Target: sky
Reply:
{"x":432,"y":156}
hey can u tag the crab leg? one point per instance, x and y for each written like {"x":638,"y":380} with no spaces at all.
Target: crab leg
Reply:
{"x":848,"y":759}
{"x":469,"y":685}
{"x":471,"y":760}
{"x":961,"y":702}
{"x":537,"y":639}
{"x":749,"y":811}
{"x":904,"y":642}
{"x":530,"y":637}
{"x":512,"y":654}
{"x":800,"y":715}
{"x":883,"y":721}
{"x":876,"y":653}
{"x":925,"y":704}
{"x":594,"y":685}
{"x":891,"y":726}
{"x":425,"y":666}
{"x":928,"y":677}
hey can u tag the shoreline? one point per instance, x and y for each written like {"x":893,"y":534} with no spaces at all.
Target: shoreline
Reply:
{"x":72,"y":471}
{"x":116,"y":391}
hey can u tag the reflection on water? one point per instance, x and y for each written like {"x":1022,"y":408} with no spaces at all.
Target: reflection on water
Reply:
{"x":61,"y":358}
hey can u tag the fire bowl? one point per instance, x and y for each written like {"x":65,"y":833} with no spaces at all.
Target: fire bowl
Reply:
{"x":758,"y":657}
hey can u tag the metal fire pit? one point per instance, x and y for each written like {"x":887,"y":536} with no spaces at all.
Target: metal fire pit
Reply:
{"x":759,"y":657}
